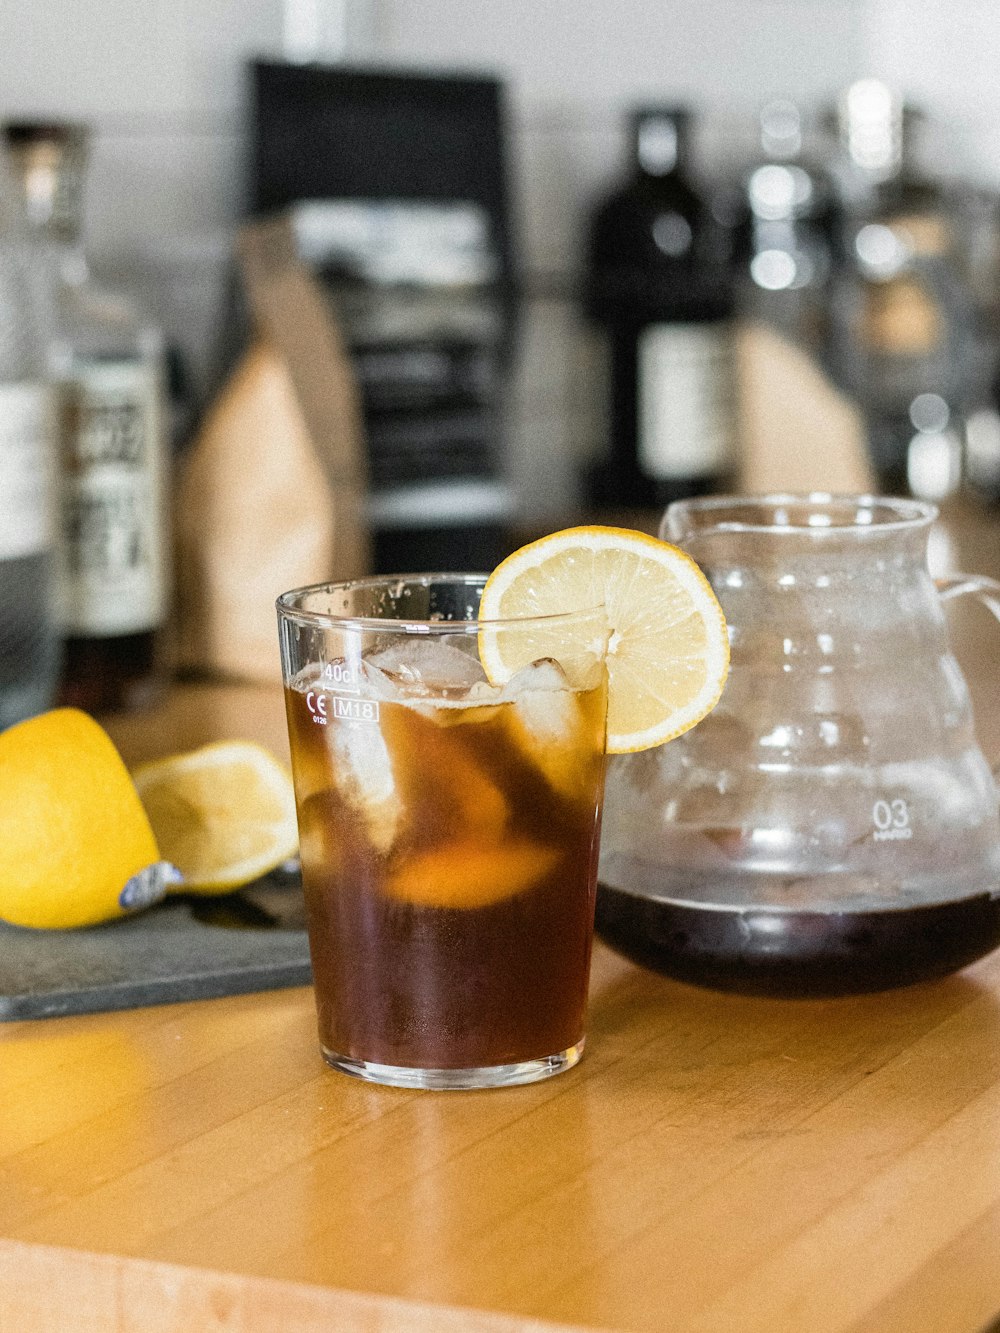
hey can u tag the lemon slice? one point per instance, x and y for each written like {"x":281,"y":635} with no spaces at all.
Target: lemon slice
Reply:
{"x":223,"y":814}
{"x":668,"y":653}
{"x":465,"y":875}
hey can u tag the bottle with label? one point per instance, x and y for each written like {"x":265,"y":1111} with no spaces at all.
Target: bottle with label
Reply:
{"x":28,"y":633}
{"x":107,"y":363}
{"x":659,"y":284}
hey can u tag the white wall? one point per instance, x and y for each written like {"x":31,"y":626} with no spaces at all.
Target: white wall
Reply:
{"x":945,"y":56}
{"x":574,"y":66}
{"x":162,"y":82}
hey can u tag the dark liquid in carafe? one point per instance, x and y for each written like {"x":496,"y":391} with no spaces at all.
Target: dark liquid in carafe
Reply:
{"x":795,"y":953}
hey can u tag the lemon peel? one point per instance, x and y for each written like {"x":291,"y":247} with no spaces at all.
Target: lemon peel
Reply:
{"x":73,"y":832}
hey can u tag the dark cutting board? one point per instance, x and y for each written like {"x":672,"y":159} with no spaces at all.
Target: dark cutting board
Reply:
{"x":182,"y":949}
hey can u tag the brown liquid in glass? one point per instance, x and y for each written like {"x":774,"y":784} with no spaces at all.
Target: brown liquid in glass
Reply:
{"x":442,"y":985}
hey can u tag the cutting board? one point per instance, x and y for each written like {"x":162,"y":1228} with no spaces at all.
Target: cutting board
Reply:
{"x":182,"y":949}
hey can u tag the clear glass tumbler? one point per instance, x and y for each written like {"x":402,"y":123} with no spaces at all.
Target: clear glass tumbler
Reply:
{"x":449,"y":828}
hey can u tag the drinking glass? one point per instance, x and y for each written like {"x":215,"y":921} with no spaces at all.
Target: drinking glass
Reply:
{"x":449,"y":827}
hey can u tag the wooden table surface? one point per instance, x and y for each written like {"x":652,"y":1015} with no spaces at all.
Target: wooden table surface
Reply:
{"x":715,"y":1163}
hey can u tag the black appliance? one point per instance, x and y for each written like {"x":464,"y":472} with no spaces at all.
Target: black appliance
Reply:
{"x":396,"y":183}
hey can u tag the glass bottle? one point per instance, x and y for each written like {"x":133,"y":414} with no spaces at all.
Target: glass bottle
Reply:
{"x":786,"y":236}
{"x":660,"y":285}
{"x":28,"y":634}
{"x":108,"y":364}
{"x":901,"y":318}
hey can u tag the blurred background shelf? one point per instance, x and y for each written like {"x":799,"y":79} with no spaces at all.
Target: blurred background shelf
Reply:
{"x":172,"y":136}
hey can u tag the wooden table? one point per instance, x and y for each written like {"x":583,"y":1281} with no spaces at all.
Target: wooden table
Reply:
{"x":717,"y":1164}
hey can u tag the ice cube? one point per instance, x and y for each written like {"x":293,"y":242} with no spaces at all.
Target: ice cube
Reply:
{"x":548,"y":725}
{"x":308,"y":678}
{"x":380,"y":684}
{"x":430,"y":666}
{"x":362,"y":770}
{"x":485,"y":693}
{"x":544,"y":674}
{"x":549,"y":719}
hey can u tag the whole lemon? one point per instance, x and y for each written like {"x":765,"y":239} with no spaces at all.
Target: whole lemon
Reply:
{"x":73,"y":831}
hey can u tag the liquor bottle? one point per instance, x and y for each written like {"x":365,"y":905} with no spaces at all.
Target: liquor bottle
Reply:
{"x":108,"y":366}
{"x":28,"y":635}
{"x":659,"y":284}
{"x":901,"y":317}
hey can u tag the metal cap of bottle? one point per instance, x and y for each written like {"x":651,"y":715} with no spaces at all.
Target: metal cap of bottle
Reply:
{"x":870,"y":120}
{"x":780,"y":130}
{"x":660,"y":138}
{"x":49,"y":158}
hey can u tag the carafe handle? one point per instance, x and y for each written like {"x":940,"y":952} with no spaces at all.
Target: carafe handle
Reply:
{"x":976,"y":585}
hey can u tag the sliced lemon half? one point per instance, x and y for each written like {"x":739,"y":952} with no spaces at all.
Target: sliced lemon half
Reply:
{"x":223,"y":814}
{"x":668,"y":653}
{"x":72,"y":830}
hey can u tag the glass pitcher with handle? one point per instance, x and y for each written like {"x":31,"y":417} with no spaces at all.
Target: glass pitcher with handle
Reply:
{"x":832,"y":826}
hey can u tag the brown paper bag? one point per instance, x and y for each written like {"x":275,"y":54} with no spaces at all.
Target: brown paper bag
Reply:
{"x":799,"y":433}
{"x":271,"y":495}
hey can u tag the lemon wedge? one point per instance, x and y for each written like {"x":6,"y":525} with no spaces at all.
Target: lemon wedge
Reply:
{"x":668,"y":653}
{"x":223,"y":814}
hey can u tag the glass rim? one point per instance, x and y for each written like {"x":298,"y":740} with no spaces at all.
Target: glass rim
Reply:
{"x":410,"y":624}
{"x":909,"y":513}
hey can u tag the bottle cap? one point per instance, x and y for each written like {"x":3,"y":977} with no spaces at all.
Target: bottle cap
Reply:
{"x":659,"y":134}
{"x":49,"y":158}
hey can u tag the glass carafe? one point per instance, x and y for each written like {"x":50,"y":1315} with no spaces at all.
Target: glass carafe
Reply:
{"x":832,"y":826}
